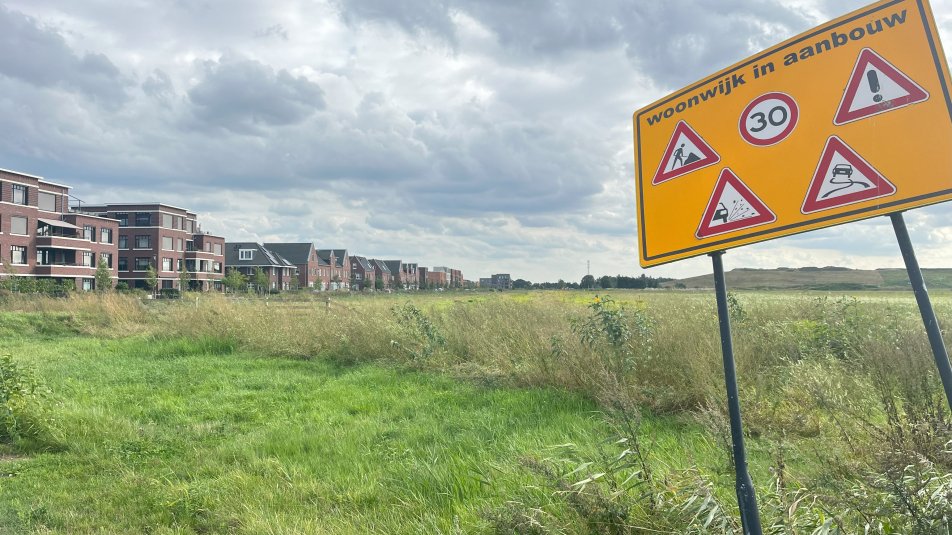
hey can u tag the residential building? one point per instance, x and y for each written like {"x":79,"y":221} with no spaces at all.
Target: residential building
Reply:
{"x":454,"y":277}
{"x":363,"y":273}
{"x":422,"y":273}
{"x":338,"y":268}
{"x":410,"y":278}
{"x":42,"y":239}
{"x":437,"y":277}
{"x":307,"y":264}
{"x":485,"y":282}
{"x":501,"y":281}
{"x":166,"y":237}
{"x":248,"y":257}
{"x":398,"y":279}
{"x":382,"y":272}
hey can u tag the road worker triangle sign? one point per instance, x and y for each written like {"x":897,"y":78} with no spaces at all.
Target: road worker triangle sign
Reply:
{"x":686,"y":152}
{"x":843,"y":177}
{"x":876,"y":87}
{"x":732,"y":207}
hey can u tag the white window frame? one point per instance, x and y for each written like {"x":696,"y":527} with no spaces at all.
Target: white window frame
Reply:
{"x":246,"y":254}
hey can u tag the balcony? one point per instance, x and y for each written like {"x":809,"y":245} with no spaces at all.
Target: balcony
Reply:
{"x":62,"y":268}
{"x":53,"y":241}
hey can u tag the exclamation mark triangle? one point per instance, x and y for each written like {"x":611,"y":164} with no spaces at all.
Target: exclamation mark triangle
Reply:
{"x":875,"y":87}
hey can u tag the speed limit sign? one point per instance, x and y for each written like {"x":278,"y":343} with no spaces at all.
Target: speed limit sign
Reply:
{"x":769,"y":119}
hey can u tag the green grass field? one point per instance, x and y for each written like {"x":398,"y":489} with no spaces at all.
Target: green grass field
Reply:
{"x":298,"y":417}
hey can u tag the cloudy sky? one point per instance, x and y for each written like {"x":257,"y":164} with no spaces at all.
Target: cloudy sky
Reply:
{"x":492,"y":135}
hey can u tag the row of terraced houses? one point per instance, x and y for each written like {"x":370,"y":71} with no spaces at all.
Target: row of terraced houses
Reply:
{"x":47,"y":233}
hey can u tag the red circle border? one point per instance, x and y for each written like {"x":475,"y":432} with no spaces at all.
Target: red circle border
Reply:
{"x":794,"y":119}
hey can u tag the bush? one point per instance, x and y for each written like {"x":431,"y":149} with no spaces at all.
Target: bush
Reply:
{"x":19,"y":397}
{"x":122,"y":286}
{"x":170,"y":293}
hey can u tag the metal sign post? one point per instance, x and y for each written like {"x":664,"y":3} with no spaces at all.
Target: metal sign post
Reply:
{"x":746,"y":499}
{"x":925,"y":304}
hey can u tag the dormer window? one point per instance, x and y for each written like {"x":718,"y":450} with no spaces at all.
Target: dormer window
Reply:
{"x":246,"y":254}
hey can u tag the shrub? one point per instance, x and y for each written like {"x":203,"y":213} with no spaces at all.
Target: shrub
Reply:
{"x":20,"y":394}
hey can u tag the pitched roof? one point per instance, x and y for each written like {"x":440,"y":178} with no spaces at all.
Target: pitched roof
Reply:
{"x":261,"y":256}
{"x":339,"y":255}
{"x":364,"y":263}
{"x":394,"y":265}
{"x":381,"y":265}
{"x":297,"y":253}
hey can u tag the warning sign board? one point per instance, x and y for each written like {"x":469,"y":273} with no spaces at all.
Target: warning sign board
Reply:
{"x":843,"y":177}
{"x":850,"y":120}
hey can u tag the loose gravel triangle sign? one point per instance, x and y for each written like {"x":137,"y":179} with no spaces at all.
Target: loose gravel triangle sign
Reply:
{"x":732,"y":207}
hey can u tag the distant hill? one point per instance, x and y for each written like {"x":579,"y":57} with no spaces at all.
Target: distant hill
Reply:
{"x":828,"y":278}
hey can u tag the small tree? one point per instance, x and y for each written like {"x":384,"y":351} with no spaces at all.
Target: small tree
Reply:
{"x":235,"y":280}
{"x":183,"y":279}
{"x":103,"y":277}
{"x":152,"y":279}
{"x":261,"y":280}
{"x":588,"y":282}
{"x":378,"y":284}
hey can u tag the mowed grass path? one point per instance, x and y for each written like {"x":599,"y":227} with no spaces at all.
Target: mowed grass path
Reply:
{"x":170,"y":437}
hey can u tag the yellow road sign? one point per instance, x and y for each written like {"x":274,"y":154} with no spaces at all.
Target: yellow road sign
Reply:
{"x":850,"y":120}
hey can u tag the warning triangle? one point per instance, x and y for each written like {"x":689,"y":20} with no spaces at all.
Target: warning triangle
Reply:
{"x":843,"y":177}
{"x":732,"y":207}
{"x":876,"y":87}
{"x":686,"y":152}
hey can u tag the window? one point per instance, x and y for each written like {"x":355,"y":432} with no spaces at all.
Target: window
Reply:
{"x":123,"y":264}
{"x":167,"y":284}
{"x":297,"y":271}
{"x":143,"y":219}
{"x":123,"y":242}
{"x":217,"y":267}
{"x":17,"y":254}
{"x":166,"y":243}
{"x":106,"y":258}
{"x":143,"y":242}
{"x":218,"y":249}
{"x":189,"y":245}
{"x":208,"y":247}
{"x":167,"y":220}
{"x":166,"y":264}
{"x":20,"y":195}
{"x":246,"y":254}
{"x":87,"y":259}
{"x":18,"y":225}
{"x":87,"y":284}
{"x":190,"y":266}
{"x":274,"y":271}
{"x":178,"y":265}
{"x":142,"y":264}
{"x":181,"y":223}
{"x":189,"y":226}
{"x":123,"y":219}
{"x":105,"y":235}
{"x":357,"y":276}
{"x":179,"y":248}
{"x":47,"y":201}
{"x":89,"y":233}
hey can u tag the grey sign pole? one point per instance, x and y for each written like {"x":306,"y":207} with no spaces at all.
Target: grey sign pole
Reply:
{"x":746,"y":499}
{"x":925,"y":304}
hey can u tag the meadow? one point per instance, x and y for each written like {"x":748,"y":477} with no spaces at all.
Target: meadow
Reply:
{"x":464,"y":412}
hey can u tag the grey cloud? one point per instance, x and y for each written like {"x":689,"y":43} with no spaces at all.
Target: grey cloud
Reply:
{"x":674,"y":42}
{"x":242,"y":95}
{"x":41,"y":57}
{"x":276,"y":30}
{"x":159,"y":86}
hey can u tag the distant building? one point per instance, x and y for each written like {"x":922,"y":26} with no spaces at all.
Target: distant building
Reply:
{"x":336,"y":265}
{"x":499,"y":281}
{"x":165,"y":237}
{"x":305,"y":260}
{"x":363,"y":273}
{"x":248,"y":257}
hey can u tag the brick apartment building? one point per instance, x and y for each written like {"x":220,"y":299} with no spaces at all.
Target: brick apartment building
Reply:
{"x":166,"y":237}
{"x":422,"y":273}
{"x":437,"y":278}
{"x":363,"y":273}
{"x":411,"y":279}
{"x":499,"y":281}
{"x":247,"y":257}
{"x":382,"y":272}
{"x":454,"y":277}
{"x":337,"y":268}
{"x":307,"y":265}
{"x":42,"y":239}
{"x":397,"y":278}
